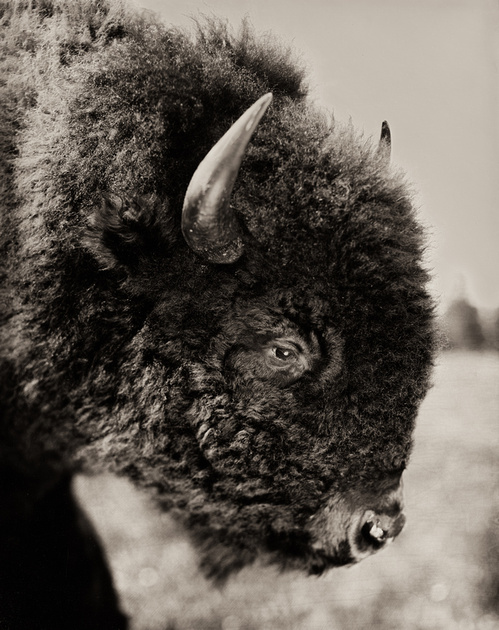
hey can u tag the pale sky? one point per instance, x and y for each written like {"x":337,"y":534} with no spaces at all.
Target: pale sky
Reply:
{"x":429,"y":67}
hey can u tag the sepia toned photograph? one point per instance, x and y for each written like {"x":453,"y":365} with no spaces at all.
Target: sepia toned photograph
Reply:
{"x":249,"y":315}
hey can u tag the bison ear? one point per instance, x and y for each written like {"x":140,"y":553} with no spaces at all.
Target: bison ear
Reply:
{"x":209,"y":225}
{"x":385,"y":143}
{"x":122,"y":232}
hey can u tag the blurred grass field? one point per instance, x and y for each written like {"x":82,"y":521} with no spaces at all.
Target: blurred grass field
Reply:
{"x":441,"y":573}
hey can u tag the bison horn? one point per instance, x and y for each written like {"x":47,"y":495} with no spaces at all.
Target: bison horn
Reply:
{"x":385,"y":142}
{"x":209,"y":225}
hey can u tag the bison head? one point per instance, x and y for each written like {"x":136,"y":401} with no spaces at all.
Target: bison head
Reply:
{"x":277,"y":376}
{"x":252,"y":350}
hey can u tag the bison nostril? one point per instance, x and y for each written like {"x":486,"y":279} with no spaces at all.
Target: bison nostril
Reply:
{"x":373,"y":534}
{"x":376,"y":530}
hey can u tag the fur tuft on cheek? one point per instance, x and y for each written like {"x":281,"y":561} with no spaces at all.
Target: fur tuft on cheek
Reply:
{"x":124,"y":232}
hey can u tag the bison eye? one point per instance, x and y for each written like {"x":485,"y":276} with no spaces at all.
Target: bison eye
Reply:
{"x":281,"y":360}
{"x":286,"y":355}
{"x":286,"y":358}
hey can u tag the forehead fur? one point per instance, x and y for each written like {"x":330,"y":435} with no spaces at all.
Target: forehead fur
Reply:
{"x":144,"y":111}
{"x":313,"y":191}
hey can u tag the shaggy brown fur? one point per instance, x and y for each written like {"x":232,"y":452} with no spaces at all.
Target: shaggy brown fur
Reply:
{"x":123,"y":350}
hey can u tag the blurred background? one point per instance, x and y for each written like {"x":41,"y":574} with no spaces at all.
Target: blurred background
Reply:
{"x":429,"y":67}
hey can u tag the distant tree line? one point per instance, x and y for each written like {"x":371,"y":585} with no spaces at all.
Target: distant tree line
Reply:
{"x":468,"y":328}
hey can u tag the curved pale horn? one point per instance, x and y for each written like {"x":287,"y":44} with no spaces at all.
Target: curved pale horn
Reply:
{"x":209,"y":225}
{"x":385,"y":142}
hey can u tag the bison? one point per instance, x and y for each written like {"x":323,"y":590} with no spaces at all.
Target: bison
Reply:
{"x":210,"y":287}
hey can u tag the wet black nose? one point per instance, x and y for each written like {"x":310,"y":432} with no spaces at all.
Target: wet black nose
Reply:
{"x":375,"y":530}
{"x":378,"y":529}
{"x":358,"y":524}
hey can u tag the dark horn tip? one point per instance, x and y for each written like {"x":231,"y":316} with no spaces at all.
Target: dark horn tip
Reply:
{"x":385,"y":132}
